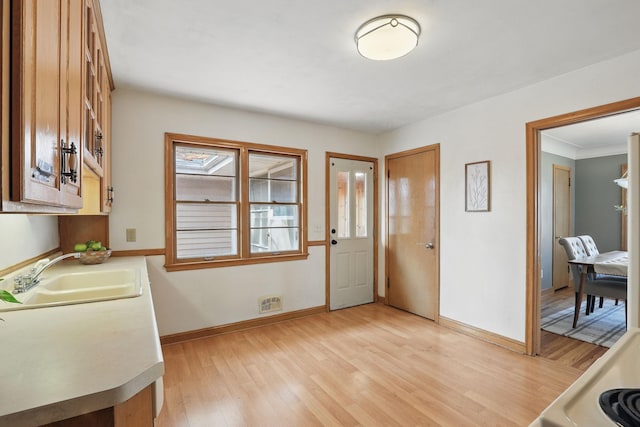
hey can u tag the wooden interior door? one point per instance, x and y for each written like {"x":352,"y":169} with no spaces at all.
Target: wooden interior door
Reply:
{"x":412,"y":250}
{"x":561,"y":224}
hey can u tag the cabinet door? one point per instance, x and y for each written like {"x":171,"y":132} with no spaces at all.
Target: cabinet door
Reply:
{"x":71,"y":125}
{"x":46,"y":67}
{"x":93,"y":92}
{"x":36,"y":118}
{"x":106,"y":183}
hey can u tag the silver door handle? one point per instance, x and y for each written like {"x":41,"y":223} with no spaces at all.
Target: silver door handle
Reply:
{"x":428,"y":245}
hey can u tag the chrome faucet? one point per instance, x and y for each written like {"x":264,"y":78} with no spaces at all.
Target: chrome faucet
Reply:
{"x":24,"y":282}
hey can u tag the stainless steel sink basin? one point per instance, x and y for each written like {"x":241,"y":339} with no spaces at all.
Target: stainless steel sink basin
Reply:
{"x":80,"y":287}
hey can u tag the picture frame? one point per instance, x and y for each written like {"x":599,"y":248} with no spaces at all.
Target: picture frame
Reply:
{"x":477,"y":186}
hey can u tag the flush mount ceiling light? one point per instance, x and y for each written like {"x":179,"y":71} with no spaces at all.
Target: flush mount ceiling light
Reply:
{"x":387,"y":37}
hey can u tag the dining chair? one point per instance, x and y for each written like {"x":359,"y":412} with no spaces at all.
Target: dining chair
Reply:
{"x":595,"y":285}
{"x":589,"y":245}
{"x":592,"y":250}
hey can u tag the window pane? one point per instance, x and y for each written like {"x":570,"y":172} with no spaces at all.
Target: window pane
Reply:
{"x":205,"y":161}
{"x":274,"y":239}
{"x":202,"y":244}
{"x":343,"y":205}
{"x":361,"y":204}
{"x":274,"y":216}
{"x":274,"y":228}
{"x":205,"y":188}
{"x":273,"y":167}
{"x":197,"y":216}
{"x":269,"y":190}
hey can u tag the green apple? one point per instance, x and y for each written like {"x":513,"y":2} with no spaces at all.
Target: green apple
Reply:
{"x":80,"y":247}
{"x":96,"y":246}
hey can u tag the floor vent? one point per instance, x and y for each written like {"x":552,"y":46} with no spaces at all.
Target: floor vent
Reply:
{"x":270,"y":303}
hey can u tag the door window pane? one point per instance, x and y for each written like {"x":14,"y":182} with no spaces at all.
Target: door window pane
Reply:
{"x":343,"y":205}
{"x":361,"y":204}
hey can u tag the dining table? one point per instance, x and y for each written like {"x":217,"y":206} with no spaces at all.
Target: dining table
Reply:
{"x":613,"y":263}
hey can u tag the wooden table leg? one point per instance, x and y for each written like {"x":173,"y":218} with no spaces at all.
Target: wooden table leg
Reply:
{"x":583,"y":279}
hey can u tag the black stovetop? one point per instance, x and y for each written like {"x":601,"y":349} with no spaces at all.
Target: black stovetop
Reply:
{"x":622,"y":405}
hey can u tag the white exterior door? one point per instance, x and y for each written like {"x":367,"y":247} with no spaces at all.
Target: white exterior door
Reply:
{"x":351,"y":232}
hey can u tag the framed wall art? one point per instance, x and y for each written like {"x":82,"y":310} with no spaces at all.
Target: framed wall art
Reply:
{"x":477,"y":185}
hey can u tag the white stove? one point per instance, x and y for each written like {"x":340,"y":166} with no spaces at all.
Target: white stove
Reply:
{"x":579,"y":405}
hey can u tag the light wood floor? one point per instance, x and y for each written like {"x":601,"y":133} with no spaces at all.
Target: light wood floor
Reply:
{"x":568,"y":351}
{"x":369,"y":365}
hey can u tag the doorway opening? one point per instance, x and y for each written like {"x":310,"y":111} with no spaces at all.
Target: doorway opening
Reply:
{"x":533,"y":150}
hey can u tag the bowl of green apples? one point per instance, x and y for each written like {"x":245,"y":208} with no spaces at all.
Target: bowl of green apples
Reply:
{"x":92,"y":252}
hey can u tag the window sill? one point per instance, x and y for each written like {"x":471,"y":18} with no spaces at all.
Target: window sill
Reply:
{"x":234,"y":263}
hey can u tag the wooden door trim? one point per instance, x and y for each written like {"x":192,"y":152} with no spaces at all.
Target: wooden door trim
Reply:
{"x":327,"y":222}
{"x":553,"y":209}
{"x":436,"y":148}
{"x":533,"y":129}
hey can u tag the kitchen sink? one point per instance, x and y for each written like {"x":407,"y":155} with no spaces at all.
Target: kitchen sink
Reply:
{"x":78,"y":288}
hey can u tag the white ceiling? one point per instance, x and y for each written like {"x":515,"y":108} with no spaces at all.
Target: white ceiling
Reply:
{"x":298,"y":58}
{"x":594,"y":138}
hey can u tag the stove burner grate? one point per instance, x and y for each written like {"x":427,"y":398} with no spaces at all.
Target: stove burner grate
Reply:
{"x":622,"y":405}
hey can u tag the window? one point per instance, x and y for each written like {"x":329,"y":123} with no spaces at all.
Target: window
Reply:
{"x":233,"y":203}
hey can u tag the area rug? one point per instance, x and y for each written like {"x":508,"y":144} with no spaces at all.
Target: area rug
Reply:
{"x":603,"y":327}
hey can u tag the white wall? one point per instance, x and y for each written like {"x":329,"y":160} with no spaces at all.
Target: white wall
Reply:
{"x":203,"y":298}
{"x":26,"y":236}
{"x":483,"y":255}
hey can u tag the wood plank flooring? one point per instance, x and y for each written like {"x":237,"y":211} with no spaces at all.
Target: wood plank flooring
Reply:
{"x":571,"y":352}
{"x":363,"y":366}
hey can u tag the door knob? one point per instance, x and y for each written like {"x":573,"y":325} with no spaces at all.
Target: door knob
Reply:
{"x":428,"y":245}
{"x":334,"y":242}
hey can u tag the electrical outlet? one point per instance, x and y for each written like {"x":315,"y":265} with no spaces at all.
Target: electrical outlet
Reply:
{"x":131,"y":234}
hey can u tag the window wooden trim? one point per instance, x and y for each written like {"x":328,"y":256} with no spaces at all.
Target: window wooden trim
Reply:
{"x":244,"y":256}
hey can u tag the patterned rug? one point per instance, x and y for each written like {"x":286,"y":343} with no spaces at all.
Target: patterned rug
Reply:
{"x":603,"y":327}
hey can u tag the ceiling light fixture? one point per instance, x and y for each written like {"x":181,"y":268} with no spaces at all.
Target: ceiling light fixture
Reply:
{"x":387,"y":37}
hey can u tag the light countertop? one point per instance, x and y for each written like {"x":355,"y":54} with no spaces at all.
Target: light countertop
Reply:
{"x":59,"y":362}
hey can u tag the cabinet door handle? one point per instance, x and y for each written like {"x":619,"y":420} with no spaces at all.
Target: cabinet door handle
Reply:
{"x":110,"y":195}
{"x":98,"y":151}
{"x":68,"y":162}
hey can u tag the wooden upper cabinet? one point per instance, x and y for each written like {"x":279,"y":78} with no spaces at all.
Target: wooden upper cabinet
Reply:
{"x":59,"y":106}
{"x":46,"y":67}
{"x":97,"y":106}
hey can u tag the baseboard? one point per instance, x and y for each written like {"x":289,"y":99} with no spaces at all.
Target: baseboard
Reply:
{"x":239,"y":326}
{"x":483,"y":335}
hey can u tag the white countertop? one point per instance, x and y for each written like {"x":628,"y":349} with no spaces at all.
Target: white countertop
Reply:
{"x":578,"y":405}
{"x":59,"y":362}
